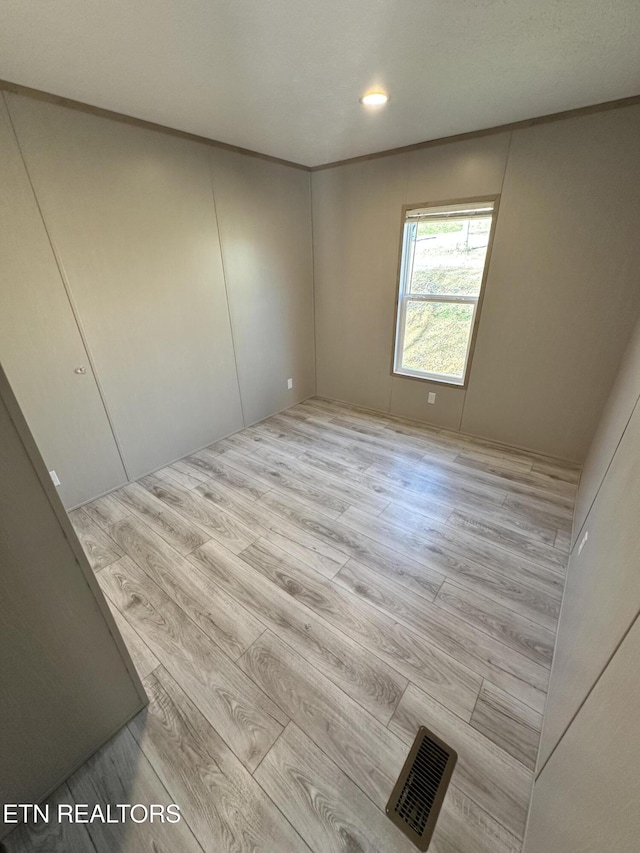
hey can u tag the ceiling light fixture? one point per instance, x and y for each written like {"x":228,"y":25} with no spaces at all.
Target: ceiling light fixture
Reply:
{"x":374,"y":99}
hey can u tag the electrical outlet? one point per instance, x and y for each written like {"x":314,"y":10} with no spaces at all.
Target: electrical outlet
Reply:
{"x":289,"y":384}
{"x":583,"y":542}
{"x":55,"y":478}
{"x":431,"y":397}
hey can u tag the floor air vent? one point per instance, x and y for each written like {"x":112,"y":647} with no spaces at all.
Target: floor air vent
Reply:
{"x":418,"y":795}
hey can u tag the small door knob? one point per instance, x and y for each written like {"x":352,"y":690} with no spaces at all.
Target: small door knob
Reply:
{"x":80,"y":370}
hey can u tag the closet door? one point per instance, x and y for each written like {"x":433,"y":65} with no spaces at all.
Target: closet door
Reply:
{"x":41,"y":347}
{"x":131,"y":214}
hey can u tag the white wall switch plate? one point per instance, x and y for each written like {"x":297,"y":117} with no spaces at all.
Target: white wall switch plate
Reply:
{"x":289,"y":384}
{"x":54,"y":478}
{"x":431,"y":397}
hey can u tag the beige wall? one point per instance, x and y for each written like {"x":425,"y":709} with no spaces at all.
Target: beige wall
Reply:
{"x":602,"y":592}
{"x":67,"y":680}
{"x":189,"y":274}
{"x":179,"y":275}
{"x":561,"y":296}
{"x":357,"y":220}
{"x":615,"y":417}
{"x":589,"y":752}
{"x":264,"y":214}
{"x":602,"y":595}
{"x":586,"y":799}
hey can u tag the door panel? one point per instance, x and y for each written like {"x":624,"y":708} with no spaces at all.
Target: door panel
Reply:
{"x":131,"y":214}
{"x":40,"y":345}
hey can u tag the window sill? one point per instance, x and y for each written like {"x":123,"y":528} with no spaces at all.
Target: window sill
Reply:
{"x":450,"y":382}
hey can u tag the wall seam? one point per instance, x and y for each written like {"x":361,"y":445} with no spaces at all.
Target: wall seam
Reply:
{"x":589,"y":692}
{"x":313,"y":287}
{"x":69,"y":294}
{"x":504,"y":175}
{"x":604,"y":476}
{"x":226,"y":288}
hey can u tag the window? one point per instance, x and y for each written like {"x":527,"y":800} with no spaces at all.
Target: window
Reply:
{"x":442,"y":270}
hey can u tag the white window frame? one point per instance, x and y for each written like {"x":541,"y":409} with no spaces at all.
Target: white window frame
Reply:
{"x":412,"y":214}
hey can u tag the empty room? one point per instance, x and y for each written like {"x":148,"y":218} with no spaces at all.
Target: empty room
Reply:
{"x":319,"y":435}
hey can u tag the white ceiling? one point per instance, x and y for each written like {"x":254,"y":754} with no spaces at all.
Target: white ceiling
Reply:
{"x":283,"y":77}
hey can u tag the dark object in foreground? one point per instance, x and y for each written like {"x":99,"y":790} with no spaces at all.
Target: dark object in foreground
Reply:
{"x":416,"y":800}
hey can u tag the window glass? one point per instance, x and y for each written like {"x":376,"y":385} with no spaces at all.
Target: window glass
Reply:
{"x":449,"y":256}
{"x":444,"y":254}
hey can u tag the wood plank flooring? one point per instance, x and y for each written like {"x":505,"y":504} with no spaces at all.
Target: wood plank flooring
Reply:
{"x":298,"y":599}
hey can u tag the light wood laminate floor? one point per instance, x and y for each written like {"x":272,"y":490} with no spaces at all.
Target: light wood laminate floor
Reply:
{"x":299,"y":598}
